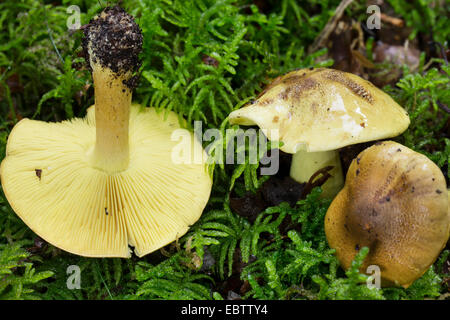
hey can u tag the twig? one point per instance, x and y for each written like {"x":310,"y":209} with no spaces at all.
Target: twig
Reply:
{"x":391,"y":20}
{"x":50,"y":36}
{"x":313,"y":182}
{"x":103,"y":280}
{"x":443,"y":106}
{"x":357,"y":26}
{"x":441,"y":48}
{"x":330,"y":26}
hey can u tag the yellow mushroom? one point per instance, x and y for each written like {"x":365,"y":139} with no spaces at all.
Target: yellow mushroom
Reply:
{"x":318,"y":111}
{"x":395,"y":203}
{"x":93,"y":186}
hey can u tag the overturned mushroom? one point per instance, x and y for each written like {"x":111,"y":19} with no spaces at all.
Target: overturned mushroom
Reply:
{"x":93,"y":186}
{"x":395,"y":203}
{"x":318,"y":111}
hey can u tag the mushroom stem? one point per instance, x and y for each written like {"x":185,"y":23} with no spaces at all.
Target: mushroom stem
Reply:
{"x":111,"y":46}
{"x":305,"y":164}
{"x":112,"y":112}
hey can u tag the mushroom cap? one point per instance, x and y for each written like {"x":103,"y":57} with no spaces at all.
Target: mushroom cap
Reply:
{"x":49,"y":182}
{"x":323,"y":109}
{"x":395,"y":203}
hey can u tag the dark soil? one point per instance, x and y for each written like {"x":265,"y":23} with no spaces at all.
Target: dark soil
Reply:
{"x":115,"y":40}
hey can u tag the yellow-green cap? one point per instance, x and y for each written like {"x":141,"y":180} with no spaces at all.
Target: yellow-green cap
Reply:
{"x":323,"y":109}
{"x":50,"y":183}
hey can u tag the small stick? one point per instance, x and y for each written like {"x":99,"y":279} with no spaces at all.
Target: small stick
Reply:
{"x":391,"y":20}
{"x":330,"y":26}
{"x":443,"y":106}
{"x":442,"y":50}
{"x":51,"y":38}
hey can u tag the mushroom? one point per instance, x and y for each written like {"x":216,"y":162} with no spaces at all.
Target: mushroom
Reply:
{"x":395,"y":203}
{"x":95,"y":185}
{"x":318,"y":111}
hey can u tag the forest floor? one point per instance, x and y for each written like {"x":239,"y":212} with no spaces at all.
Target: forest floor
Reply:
{"x":257,"y":238}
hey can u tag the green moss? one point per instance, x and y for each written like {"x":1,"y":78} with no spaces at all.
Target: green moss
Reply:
{"x":203,"y":59}
{"x":425,"y":16}
{"x":17,"y":274}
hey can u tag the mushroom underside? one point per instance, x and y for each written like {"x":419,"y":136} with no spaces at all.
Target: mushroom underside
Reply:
{"x":50,"y":183}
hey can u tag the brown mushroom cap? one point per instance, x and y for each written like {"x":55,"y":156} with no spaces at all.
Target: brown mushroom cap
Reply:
{"x":395,"y":202}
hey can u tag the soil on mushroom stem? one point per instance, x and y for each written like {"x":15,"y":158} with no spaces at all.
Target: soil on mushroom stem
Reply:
{"x":116,"y":41}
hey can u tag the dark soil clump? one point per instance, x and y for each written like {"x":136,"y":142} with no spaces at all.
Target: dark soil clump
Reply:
{"x":115,"y":40}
